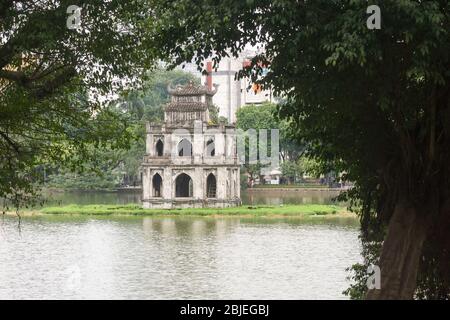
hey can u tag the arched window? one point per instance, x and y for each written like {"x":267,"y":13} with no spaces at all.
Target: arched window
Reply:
{"x":159,"y":148}
{"x":211,"y":186}
{"x":184,"y":148}
{"x":183,"y":186}
{"x":156,"y":185}
{"x":210,"y":148}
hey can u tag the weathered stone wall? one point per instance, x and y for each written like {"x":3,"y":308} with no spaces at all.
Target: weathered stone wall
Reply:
{"x":186,"y":118}
{"x":224,"y":165}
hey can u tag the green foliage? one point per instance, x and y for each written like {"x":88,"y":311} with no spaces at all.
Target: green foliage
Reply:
{"x":297,"y":186}
{"x":223,"y":120}
{"x":147,"y":103}
{"x":257,"y":117}
{"x":51,"y":82}
{"x":358,"y":287}
{"x":310,"y":166}
{"x":264,"y":116}
{"x":214,"y":114}
{"x":84,"y":181}
{"x":291,"y":170}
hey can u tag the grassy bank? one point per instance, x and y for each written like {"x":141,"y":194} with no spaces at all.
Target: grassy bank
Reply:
{"x":303,"y":210}
{"x":290,"y":186}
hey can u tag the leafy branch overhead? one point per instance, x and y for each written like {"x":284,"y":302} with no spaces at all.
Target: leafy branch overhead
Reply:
{"x":53,"y":80}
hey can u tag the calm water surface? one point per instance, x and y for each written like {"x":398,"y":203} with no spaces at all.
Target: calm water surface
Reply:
{"x":175,"y":258}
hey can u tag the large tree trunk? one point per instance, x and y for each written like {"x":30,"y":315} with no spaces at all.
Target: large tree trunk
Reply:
{"x":401,"y":253}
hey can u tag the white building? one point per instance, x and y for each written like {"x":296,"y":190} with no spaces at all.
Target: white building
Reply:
{"x":232,"y":93}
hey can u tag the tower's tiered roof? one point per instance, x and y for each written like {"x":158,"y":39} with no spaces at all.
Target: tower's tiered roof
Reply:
{"x":188,"y":103}
{"x":191,"y":89}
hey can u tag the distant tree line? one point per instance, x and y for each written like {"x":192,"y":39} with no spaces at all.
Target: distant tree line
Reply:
{"x":294,"y":159}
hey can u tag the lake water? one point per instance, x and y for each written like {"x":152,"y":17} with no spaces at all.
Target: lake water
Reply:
{"x":175,"y":258}
{"x":53,"y":257}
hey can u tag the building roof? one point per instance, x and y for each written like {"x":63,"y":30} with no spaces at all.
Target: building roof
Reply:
{"x":186,"y":106}
{"x":191,"y":89}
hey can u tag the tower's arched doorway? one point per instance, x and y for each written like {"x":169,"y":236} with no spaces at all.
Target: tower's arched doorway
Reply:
{"x":156,"y":185}
{"x":183,"y":186}
{"x":185,"y":148}
{"x":159,"y":148}
{"x":211,"y":186}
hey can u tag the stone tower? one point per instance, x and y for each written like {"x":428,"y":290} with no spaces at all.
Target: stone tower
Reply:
{"x":189,"y":161}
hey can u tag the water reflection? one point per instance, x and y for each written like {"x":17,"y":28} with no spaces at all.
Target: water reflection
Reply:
{"x":175,"y":258}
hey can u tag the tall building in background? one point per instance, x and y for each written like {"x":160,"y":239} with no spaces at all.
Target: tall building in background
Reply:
{"x":232,"y":93}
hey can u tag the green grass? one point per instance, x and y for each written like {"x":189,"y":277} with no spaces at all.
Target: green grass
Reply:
{"x":289,"y":186}
{"x":256,"y":211}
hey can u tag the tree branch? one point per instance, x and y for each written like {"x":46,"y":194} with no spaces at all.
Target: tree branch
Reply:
{"x":58,"y":81}
{"x":10,"y":142}
{"x":17,"y":76}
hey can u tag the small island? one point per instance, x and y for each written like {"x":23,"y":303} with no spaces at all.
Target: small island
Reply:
{"x":285,"y":211}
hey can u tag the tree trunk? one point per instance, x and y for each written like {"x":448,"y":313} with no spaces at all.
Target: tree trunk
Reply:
{"x":401,"y":253}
